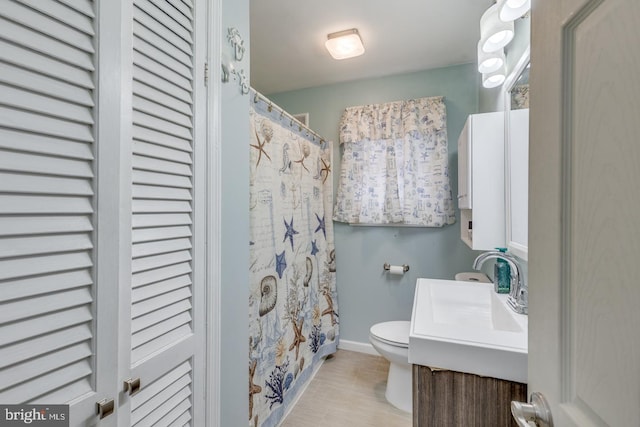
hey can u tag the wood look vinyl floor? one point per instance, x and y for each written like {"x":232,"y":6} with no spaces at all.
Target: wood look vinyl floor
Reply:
{"x":348,"y":391}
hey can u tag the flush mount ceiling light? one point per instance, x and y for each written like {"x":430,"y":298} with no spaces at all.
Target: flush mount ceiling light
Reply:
{"x":344,"y":44}
{"x":509,"y":10}
{"x":490,"y":62}
{"x":494,"y":33}
{"x":494,"y":79}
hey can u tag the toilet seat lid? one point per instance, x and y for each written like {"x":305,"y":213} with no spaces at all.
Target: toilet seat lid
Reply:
{"x":394,"y":332}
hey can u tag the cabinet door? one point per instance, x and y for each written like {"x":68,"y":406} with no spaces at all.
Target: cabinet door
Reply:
{"x":51,"y":314}
{"x":464,"y":166}
{"x":168,"y":118}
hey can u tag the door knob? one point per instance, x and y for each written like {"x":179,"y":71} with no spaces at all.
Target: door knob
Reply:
{"x":536,"y":411}
{"x":104,"y":408}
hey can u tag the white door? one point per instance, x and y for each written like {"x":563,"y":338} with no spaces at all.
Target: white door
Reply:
{"x":584,"y":211}
{"x":167,"y":273}
{"x":56,"y":306}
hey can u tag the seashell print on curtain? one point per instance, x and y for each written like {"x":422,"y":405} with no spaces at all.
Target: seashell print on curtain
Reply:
{"x":395,"y":165}
{"x":293,"y":311}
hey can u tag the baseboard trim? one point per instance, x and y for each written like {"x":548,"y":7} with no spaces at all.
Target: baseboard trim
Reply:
{"x":360,"y":347}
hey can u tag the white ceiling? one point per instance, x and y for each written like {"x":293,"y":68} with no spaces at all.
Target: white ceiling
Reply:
{"x":287,"y":39}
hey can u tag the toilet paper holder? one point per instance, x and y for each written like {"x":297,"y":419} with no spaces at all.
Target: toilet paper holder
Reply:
{"x":387,"y":267}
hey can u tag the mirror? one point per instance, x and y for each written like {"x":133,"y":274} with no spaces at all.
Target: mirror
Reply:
{"x":517,"y":157}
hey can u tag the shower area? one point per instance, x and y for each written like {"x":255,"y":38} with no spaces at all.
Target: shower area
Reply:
{"x":293,"y":307}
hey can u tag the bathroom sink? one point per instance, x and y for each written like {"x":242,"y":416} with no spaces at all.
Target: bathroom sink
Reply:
{"x":467,"y":327}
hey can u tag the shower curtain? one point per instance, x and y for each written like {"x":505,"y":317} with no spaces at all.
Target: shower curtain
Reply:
{"x":293,"y":312}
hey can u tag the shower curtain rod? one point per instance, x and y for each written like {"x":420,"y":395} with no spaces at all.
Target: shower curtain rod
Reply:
{"x":257,"y":96}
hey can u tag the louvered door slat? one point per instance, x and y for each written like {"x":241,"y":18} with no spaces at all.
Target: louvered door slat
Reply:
{"x":162,"y":112}
{"x":45,"y":85}
{"x":143,"y":322}
{"x":32,"y":390}
{"x":141,"y":18}
{"x":146,"y":63}
{"x":44,"y":125}
{"x":158,"y":165}
{"x":83,"y":6}
{"x":45,"y":65}
{"x":160,"y":329}
{"x":163,"y":84}
{"x":160,"y":274}
{"x":22,"y":162}
{"x":152,"y":234}
{"x":41,"y":305}
{"x":22,"y":267}
{"x":183,"y":8}
{"x":43,"y":324}
{"x":41,"y":43}
{"x":157,"y":42}
{"x":162,"y":396}
{"x":165,"y":20}
{"x":160,"y":220}
{"x":163,"y":341}
{"x":29,"y":204}
{"x":12,"y":226}
{"x":50,"y":27}
{"x":150,"y":206}
{"x":63,"y":13}
{"x":159,"y":138}
{"x":145,"y":292}
{"x":39,"y":245}
{"x":160,"y":152}
{"x":29,"y":101}
{"x":47,"y":140}
{"x":41,"y":365}
{"x":152,"y":192}
{"x":144,"y":90}
{"x":158,"y":261}
{"x":160,"y":247}
{"x":179,"y":404}
{"x":43,"y":344}
{"x":44,"y":145}
{"x":38,"y":184}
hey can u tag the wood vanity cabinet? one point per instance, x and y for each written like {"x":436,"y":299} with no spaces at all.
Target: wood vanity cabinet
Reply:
{"x":456,"y":399}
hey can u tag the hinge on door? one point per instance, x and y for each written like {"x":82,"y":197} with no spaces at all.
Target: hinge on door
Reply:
{"x":206,"y":73}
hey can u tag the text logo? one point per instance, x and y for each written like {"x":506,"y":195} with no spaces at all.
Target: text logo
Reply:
{"x":34,"y":415}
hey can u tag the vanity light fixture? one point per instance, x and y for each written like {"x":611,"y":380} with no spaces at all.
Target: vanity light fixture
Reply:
{"x":344,"y":44}
{"x":494,"y":33}
{"x":495,"y":78}
{"x":510,"y":10}
{"x":490,"y":62}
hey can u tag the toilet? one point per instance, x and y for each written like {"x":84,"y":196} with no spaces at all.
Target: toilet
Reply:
{"x":391,"y":340}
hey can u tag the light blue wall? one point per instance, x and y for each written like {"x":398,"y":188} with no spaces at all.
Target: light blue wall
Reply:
{"x":367,"y":295}
{"x":234,"y":349}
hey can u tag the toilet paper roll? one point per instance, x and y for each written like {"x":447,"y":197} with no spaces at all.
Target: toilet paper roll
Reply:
{"x":396,"y":269}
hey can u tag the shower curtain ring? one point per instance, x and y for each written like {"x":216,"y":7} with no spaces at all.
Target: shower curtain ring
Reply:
{"x":281,"y":114}
{"x":270,"y":107}
{"x":255,"y":98}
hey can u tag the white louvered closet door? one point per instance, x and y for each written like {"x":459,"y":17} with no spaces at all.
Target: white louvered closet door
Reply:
{"x":48,"y":306}
{"x":168,"y":95}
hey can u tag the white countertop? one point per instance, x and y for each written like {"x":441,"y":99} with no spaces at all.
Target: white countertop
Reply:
{"x":467,"y":327}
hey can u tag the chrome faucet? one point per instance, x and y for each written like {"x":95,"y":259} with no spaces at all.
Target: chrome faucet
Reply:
{"x":518,"y":295}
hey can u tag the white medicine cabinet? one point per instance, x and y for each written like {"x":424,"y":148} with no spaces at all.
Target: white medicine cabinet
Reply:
{"x":517,"y":157}
{"x":481,"y":177}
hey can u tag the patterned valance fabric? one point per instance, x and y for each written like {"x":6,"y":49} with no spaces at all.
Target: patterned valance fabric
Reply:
{"x":395,"y":165}
{"x":417,"y":117}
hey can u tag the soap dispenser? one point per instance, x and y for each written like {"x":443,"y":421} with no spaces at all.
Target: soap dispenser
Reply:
{"x":501,"y":275}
